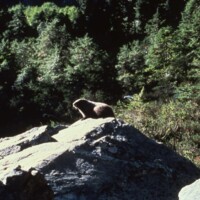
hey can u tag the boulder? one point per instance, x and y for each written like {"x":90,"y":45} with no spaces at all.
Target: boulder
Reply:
{"x":98,"y":159}
{"x":190,"y":192}
{"x":22,"y":185}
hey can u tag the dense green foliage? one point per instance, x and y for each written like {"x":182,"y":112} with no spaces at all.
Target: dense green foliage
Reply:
{"x":174,"y":123}
{"x":104,"y":50}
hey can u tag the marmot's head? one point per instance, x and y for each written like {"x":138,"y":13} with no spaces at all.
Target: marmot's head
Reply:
{"x":85,"y":107}
{"x":79,"y":103}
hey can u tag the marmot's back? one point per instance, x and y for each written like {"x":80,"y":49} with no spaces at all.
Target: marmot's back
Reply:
{"x":103,"y":111}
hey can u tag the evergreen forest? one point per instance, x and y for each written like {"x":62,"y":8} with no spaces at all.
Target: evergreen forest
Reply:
{"x":140,"y":56}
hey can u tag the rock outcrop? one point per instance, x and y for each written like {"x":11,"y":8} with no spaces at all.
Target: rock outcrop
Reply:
{"x":97,"y":159}
{"x":22,"y":185}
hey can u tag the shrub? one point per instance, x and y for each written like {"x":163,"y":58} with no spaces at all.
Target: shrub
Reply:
{"x":174,"y":123}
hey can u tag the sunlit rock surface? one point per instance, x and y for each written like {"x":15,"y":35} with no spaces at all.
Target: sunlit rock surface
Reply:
{"x":190,"y":192}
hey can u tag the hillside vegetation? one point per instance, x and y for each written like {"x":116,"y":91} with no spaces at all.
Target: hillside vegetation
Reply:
{"x":104,"y":50}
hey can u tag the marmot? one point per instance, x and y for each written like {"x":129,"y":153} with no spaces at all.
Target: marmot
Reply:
{"x":91,"y":109}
